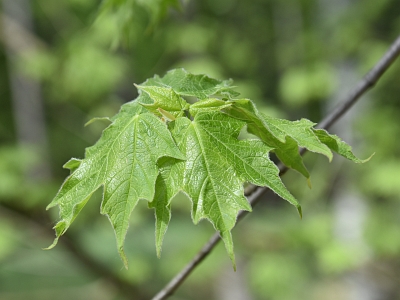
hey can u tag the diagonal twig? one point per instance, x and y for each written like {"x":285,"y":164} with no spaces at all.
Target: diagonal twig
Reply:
{"x":364,"y":85}
{"x":369,"y":80}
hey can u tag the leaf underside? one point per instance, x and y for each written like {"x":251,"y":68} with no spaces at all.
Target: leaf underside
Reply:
{"x":159,"y":145}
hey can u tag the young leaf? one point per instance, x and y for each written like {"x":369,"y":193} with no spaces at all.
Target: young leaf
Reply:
{"x":217,"y":164}
{"x":199,"y":86}
{"x":165,"y":98}
{"x":208,"y":105}
{"x":124,"y":162}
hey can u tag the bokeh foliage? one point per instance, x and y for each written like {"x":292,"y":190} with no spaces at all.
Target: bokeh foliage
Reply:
{"x":296,"y":58}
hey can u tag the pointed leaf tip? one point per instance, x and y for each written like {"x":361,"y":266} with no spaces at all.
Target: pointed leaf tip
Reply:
{"x":226,"y":237}
{"x":300,"y":211}
{"x":123,"y":257}
{"x":72,"y":164}
{"x":367,"y":159}
{"x":52,"y":245}
{"x":107,"y":119}
{"x":309,"y":183}
{"x":52,"y":204}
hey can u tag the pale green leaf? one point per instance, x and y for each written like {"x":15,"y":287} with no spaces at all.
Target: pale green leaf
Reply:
{"x":208,"y":105}
{"x":165,"y":98}
{"x":124,"y":162}
{"x":199,"y":86}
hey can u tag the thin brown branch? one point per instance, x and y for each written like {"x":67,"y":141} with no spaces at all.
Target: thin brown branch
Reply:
{"x":364,"y":85}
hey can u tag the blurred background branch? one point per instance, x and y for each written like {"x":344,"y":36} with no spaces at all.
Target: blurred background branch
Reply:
{"x":69,"y":242}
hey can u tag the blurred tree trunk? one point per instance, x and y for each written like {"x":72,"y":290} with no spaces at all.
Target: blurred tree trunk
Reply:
{"x":26,"y":92}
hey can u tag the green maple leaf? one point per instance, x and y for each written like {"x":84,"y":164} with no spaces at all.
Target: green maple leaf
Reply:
{"x":160,"y":145}
{"x":217,"y":164}
{"x":124,"y":162}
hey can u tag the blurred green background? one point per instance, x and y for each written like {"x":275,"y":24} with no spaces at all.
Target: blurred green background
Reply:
{"x":64,"y":62}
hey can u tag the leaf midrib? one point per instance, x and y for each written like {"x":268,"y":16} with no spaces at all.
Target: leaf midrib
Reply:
{"x":198,"y":136}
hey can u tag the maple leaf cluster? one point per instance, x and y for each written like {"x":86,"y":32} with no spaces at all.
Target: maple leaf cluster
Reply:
{"x":181,"y":135}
